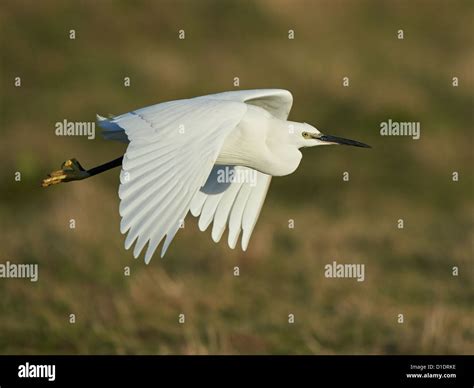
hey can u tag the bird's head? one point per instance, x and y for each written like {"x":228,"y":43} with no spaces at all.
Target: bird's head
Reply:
{"x":309,"y":136}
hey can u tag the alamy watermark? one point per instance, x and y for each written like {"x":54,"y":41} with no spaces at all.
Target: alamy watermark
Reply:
{"x":400,"y":128}
{"x":229,"y":174}
{"x":19,"y":271}
{"x":32,"y":371}
{"x":75,"y":128}
{"x":350,"y":271}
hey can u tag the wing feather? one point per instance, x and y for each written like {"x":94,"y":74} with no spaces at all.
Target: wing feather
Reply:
{"x":239,"y":206}
{"x":253,"y":207}
{"x":166,"y":166}
{"x":197,"y":203}
{"x":235,"y":219}
{"x":223,"y":210}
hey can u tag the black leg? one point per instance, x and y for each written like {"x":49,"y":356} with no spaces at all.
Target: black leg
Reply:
{"x":106,"y":166}
{"x":71,"y":170}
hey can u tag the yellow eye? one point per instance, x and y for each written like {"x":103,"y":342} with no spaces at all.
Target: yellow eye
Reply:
{"x":306,"y":135}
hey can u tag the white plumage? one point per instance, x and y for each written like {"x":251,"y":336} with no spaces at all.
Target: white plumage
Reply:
{"x":175,"y":153}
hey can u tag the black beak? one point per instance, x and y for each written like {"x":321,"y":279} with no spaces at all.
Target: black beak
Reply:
{"x":341,"y":140}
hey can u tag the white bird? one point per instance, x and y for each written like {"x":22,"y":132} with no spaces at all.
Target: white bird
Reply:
{"x":177,"y":151}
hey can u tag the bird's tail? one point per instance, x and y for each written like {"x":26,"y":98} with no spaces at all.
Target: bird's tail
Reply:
{"x":71,"y":170}
{"x":111,"y":130}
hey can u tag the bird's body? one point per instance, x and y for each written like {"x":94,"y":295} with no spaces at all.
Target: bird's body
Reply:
{"x":262,"y":142}
{"x":177,"y":151}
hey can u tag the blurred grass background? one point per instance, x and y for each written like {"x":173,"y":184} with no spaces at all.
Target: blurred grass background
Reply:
{"x":408,"y":271}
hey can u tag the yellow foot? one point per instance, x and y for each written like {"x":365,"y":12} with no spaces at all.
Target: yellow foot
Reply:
{"x":71,"y":170}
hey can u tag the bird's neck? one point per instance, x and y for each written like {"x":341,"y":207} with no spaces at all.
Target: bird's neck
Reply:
{"x":266,"y":144}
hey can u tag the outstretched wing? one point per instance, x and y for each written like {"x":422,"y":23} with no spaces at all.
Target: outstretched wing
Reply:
{"x":173,"y":147}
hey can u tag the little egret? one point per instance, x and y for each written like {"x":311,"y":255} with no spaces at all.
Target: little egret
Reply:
{"x":177,"y":151}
